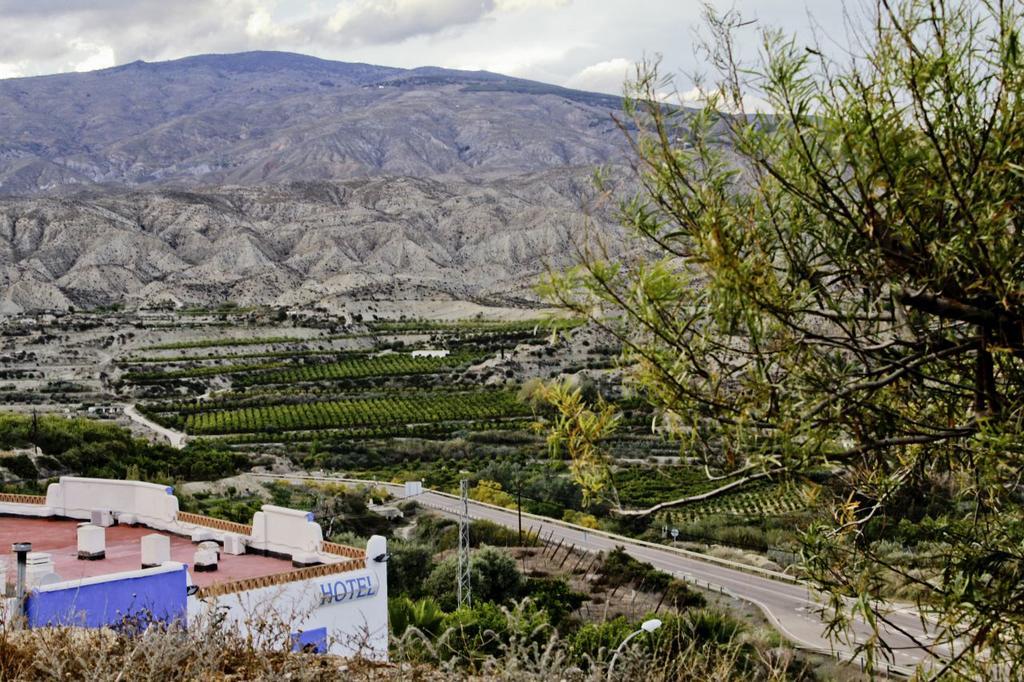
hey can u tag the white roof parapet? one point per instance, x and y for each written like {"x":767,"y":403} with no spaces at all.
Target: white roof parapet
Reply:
{"x":285,"y":531}
{"x":151,"y":503}
{"x":274,"y":530}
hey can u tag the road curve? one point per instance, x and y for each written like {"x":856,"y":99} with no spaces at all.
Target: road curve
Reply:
{"x":177,"y":439}
{"x":791,"y":605}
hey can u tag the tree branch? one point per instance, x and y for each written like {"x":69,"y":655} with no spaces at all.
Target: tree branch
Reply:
{"x":711,"y":494}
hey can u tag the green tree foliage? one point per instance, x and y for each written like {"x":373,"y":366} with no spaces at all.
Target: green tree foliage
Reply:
{"x":442,"y":534}
{"x":409,"y":567}
{"x":494,"y":577}
{"x":619,"y":568}
{"x":837,"y":285}
{"x":554,"y":597}
{"x":485,"y":629}
{"x":544,"y":487}
{"x":21,"y":466}
{"x":577,"y":429}
{"x":491,"y":493}
{"x":91,"y":448}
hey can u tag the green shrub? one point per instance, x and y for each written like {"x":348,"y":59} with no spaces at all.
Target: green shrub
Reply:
{"x":746,"y":537}
{"x":597,"y":640}
{"x":555,"y":597}
{"x":682,"y":596}
{"x":494,"y":577}
{"x":21,"y":466}
{"x":486,"y":629}
{"x":408,"y":568}
{"x":710,"y":626}
{"x":619,"y":568}
{"x":104,"y":450}
{"x":424,"y":614}
{"x":443,"y":534}
{"x":483,"y":532}
{"x":676,"y":636}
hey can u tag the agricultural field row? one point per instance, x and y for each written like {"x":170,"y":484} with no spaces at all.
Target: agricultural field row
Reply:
{"x":198,"y":372}
{"x":261,"y":395}
{"x":769,"y":499}
{"x":643,"y":486}
{"x":228,"y":342}
{"x":482,"y":327}
{"x":175,"y":359}
{"x":372,"y":412}
{"x":411,"y":326}
{"x":354,"y":367}
{"x":392,"y":364}
{"x":430,"y":430}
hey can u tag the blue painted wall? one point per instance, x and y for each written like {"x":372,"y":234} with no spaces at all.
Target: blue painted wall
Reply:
{"x":160,"y":596}
{"x":312,"y":641}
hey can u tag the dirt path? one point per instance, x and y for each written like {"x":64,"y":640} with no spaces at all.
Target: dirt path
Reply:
{"x":177,"y":439}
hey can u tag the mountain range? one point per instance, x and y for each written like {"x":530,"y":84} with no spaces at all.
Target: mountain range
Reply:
{"x":269,"y":177}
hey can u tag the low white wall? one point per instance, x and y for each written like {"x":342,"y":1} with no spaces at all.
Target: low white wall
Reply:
{"x":165,"y":567}
{"x":285,"y":531}
{"x":15,"y":509}
{"x":153,"y":504}
{"x":352,"y":608}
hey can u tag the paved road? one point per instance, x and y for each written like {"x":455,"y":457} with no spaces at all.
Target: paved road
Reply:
{"x":789,"y":604}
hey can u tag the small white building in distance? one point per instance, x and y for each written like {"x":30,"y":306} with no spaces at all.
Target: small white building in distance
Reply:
{"x":140,"y":553}
{"x":430,"y":353}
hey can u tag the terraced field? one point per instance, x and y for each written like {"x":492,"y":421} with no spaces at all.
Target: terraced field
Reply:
{"x":227,"y":342}
{"x":343,"y":414}
{"x":770,"y":499}
{"x":355,"y":366}
{"x":197,"y":372}
{"x":394,"y":364}
{"x":491,"y":326}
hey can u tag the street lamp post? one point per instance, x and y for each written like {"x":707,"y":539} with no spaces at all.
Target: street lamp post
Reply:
{"x":647,"y":626}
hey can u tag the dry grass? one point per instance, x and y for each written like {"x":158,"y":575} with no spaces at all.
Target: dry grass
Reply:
{"x":209,"y":651}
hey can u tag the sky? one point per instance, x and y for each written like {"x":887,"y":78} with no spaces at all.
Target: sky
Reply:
{"x":586,"y":44}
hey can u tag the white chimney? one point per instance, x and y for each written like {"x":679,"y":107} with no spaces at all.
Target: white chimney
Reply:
{"x":38,"y":569}
{"x":92,"y":542}
{"x":205,"y":560}
{"x":156,"y":549}
{"x":234,"y":544}
{"x":210,"y":545}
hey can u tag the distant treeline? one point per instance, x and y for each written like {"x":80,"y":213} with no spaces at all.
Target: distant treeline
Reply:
{"x":92,"y":448}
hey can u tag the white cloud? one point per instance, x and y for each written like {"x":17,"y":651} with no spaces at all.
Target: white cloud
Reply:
{"x":11,"y":69}
{"x":98,"y":56}
{"x":581,"y":43}
{"x":387,"y":21}
{"x":607,"y":76}
{"x":698,"y":98}
{"x":262,"y":25}
{"x":515,"y":5}
{"x":514,"y":62}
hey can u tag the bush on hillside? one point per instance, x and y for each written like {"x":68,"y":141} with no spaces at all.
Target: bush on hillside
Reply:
{"x":494,"y":577}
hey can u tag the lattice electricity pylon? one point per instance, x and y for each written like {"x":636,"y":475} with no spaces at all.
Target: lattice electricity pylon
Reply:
{"x":464,"y":586}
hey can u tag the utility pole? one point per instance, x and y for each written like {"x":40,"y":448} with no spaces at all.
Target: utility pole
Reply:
{"x":464,"y":584}
{"x":519,"y":501}
{"x":519,"y":511}
{"x":35,"y":430}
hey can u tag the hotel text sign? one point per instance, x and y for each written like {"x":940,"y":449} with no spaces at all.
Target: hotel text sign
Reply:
{"x":348,"y":589}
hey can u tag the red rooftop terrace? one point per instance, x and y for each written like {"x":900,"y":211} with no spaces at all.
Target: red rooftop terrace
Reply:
{"x":102,"y":550}
{"x":278,"y":542}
